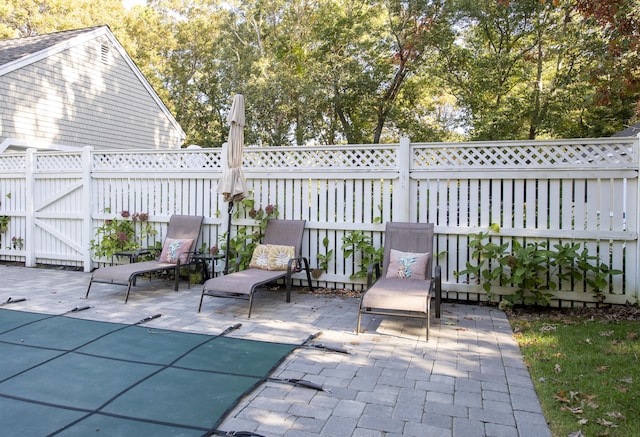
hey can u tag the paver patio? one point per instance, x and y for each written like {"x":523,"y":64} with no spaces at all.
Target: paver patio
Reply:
{"x":468,"y":380}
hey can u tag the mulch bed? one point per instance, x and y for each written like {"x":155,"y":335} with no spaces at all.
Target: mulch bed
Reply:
{"x":605,"y":314}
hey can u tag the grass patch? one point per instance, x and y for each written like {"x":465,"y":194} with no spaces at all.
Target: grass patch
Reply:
{"x":586,"y":371}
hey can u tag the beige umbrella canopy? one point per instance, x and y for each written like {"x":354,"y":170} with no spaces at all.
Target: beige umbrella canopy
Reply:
{"x":232,"y":185}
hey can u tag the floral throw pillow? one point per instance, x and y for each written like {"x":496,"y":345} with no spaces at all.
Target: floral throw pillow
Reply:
{"x":175,"y":249}
{"x":407,"y":265}
{"x":279,"y":256}
{"x":260,"y":258}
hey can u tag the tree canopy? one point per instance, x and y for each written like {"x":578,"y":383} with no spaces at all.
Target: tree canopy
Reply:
{"x":345,"y":71}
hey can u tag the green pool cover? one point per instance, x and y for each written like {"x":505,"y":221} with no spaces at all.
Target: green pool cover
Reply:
{"x":71,"y":377}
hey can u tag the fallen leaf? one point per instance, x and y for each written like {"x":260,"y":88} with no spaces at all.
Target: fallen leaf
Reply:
{"x":588,"y":341}
{"x":602,"y":369}
{"x":617,"y":416}
{"x":561,"y":396}
{"x":605,"y":422}
{"x":606,"y":333}
{"x":547,"y":328}
{"x":626,"y":380}
{"x":583,"y":422}
{"x":631,"y":335}
{"x":576,"y":434}
{"x":557,"y":368}
{"x":574,"y":410}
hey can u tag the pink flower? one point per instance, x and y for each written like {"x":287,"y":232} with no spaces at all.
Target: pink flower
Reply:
{"x":125,"y":214}
{"x":122,"y":237}
{"x":214,"y":250}
{"x":144,"y":216}
{"x":269,"y":209}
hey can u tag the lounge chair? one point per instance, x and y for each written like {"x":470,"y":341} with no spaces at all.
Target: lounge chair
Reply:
{"x":180,"y":242}
{"x":242,"y":284}
{"x":407,"y":282}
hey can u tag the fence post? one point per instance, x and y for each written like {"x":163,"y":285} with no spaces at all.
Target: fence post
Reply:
{"x":401,"y":190}
{"x":30,"y":231}
{"x":636,"y":284}
{"x":87,"y":219}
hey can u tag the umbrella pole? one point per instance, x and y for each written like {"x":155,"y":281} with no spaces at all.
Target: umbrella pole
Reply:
{"x":228,"y":248}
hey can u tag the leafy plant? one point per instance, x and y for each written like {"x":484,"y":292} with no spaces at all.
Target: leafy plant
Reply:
{"x":17,"y":242}
{"x":242,"y":244}
{"x":323,"y":259}
{"x":357,"y":242}
{"x":534,"y":269}
{"x":4,"y":223}
{"x":117,"y":235}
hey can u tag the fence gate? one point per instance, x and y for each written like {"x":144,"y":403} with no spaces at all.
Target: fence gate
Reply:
{"x":57,"y":193}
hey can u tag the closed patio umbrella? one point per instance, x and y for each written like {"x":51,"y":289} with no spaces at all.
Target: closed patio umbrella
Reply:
{"x":232,"y":185}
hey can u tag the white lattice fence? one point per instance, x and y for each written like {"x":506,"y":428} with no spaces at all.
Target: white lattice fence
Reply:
{"x":556,"y":191}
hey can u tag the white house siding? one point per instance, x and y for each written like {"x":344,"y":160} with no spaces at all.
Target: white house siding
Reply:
{"x":80,"y":97}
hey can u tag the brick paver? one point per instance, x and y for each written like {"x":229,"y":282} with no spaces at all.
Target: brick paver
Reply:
{"x":469,"y":379}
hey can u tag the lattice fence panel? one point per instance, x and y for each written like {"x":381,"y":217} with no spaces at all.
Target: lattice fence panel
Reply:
{"x":524,"y":155}
{"x":320,"y":158}
{"x":59,"y":163}
{"x":202,"y":159}
{"x":13,"y":163}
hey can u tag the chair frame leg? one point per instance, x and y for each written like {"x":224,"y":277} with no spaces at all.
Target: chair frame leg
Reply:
{"x":88,"y":288}
{"x":201,"y":299}
{"x":126,"y":299}
{"x":250,"y":304}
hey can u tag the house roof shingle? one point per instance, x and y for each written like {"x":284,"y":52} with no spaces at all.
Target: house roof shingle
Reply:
{"x":17,"y":48}
{"x":630,"y":131}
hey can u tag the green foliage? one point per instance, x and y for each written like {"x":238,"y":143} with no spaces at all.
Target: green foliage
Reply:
{"x":358,"y":243}
{"x":130,"y":232}
{"x":534,"y":269}
{"x":17,"y":243}
{"x":242,"y":244}
{"x":324,"y":259}
{"x":340,"y":71}
{"x":4,"y":223}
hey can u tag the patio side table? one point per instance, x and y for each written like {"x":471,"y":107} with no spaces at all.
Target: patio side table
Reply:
{"x":207,"y":262}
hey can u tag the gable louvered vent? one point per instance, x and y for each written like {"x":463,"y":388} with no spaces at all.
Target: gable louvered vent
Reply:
{"x":105,"y":53}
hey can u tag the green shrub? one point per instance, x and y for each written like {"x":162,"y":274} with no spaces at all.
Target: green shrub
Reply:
{"x":356,"y":242}
{"x":534,"y":269}
{"x":130,"y":232}
{"x":243,"y":243}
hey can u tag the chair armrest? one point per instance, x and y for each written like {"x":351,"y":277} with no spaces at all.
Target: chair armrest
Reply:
{"x":371,"y":269}
{"x":239,"y":259}
{"x":302,"y":263}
